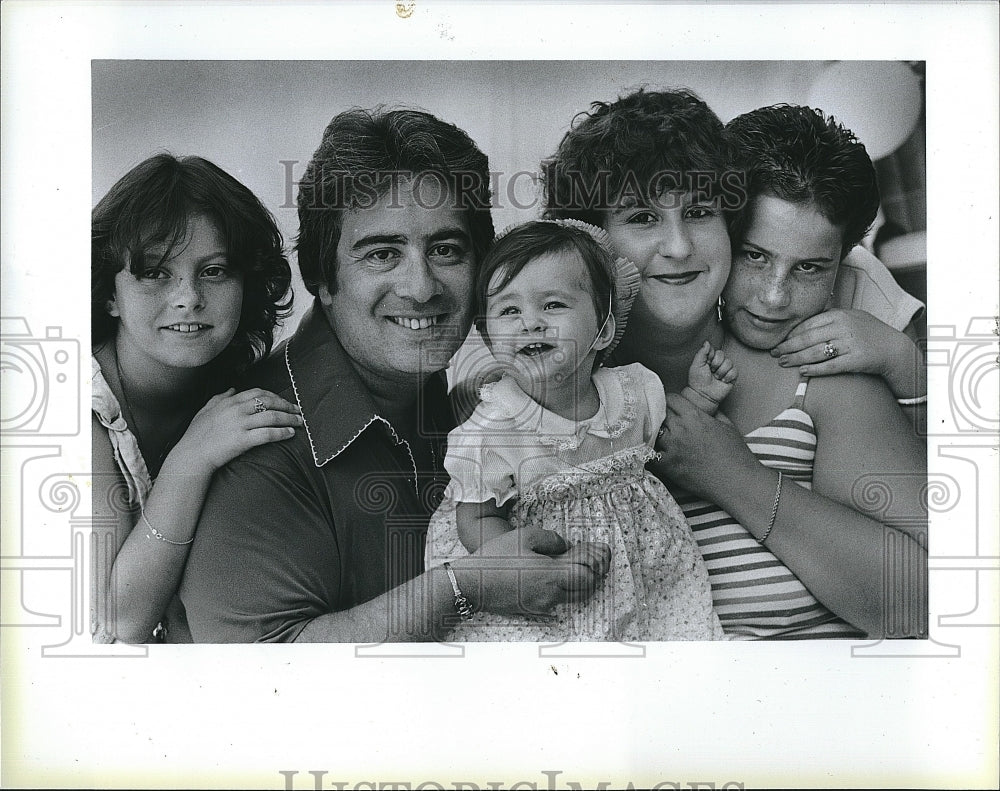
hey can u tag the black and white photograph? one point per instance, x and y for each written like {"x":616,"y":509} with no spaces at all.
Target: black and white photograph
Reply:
{"x":693,"y":245}
{"x":505,"y":386}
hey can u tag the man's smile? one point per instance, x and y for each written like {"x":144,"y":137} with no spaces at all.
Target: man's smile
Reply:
{"x":416,"y":322}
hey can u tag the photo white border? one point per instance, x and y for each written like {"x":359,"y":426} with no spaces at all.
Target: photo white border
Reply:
{"x":805,"y":715}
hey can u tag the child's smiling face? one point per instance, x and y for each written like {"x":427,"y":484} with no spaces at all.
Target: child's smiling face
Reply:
{"x":542,"y":326}
{"x":783,"y":272}
{"x":183,"y":311}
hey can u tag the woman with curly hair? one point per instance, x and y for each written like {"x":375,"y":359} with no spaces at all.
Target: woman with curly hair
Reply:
{"x":188,"y":280}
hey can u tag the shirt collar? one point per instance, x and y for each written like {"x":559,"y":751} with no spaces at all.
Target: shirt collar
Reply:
{"x":336,"y":405}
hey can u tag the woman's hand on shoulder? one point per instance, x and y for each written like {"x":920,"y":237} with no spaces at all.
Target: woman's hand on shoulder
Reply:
{"x":232,"y":423}
{"x":700,"y":452}
{"x":868,"y":455}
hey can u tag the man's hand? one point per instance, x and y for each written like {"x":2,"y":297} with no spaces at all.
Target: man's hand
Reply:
{"x":528,"y":572}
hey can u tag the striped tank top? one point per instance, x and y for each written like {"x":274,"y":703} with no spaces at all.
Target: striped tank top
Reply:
{"x":754,"y":593}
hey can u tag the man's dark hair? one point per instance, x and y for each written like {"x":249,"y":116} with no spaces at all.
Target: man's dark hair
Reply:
{"x":800,"y":155}
{"x":364,"y":154}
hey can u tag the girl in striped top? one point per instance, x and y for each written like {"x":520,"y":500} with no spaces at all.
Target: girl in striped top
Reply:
{"x":841,"y":436}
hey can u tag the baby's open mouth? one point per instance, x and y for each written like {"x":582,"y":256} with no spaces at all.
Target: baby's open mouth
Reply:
{"x":534,"y":349}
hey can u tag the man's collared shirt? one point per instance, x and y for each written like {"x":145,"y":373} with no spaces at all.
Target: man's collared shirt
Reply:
{"x":322,"y":522}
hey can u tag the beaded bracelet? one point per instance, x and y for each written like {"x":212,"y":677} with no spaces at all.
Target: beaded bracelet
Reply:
{"x":774,"y":511}
{"x":462,"y":604}
{"x":159,"y":536}
{"x":912,"y":401}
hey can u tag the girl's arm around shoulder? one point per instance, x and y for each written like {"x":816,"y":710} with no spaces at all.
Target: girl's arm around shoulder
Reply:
{"x":868,"y":456}
{"x":870,"y":459}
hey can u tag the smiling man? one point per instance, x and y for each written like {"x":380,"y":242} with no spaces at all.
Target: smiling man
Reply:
{"x":320,"y":538}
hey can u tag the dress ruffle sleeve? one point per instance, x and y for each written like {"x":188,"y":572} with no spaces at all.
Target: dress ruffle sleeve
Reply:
{"x":478,"y":474}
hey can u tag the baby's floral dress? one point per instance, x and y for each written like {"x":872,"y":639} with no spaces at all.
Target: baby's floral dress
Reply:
{"x":587,"y":481}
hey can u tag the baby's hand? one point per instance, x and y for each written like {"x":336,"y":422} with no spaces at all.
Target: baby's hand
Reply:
{"x":710,"y":378}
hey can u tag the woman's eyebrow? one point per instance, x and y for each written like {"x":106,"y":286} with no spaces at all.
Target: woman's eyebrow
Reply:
{"x":625,"y":204}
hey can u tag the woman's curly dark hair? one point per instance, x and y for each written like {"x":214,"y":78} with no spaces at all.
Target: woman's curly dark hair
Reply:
{"x":800,"y":155}
{"x":152,"y":205}
{"x":645,"y":142}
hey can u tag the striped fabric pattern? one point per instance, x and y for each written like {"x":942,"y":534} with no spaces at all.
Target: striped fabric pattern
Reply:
{"x":755,"y":595}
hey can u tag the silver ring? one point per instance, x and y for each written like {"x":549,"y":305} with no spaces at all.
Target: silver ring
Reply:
{"x":258,"y":406}
{"x":830,"y":350}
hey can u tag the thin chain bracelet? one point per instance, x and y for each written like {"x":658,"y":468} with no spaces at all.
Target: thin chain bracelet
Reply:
{"x":159,"y":536}
{"x":774,"y":511}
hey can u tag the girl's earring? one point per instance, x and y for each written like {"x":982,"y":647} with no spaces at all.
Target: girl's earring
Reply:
{"x":718,"y":308}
